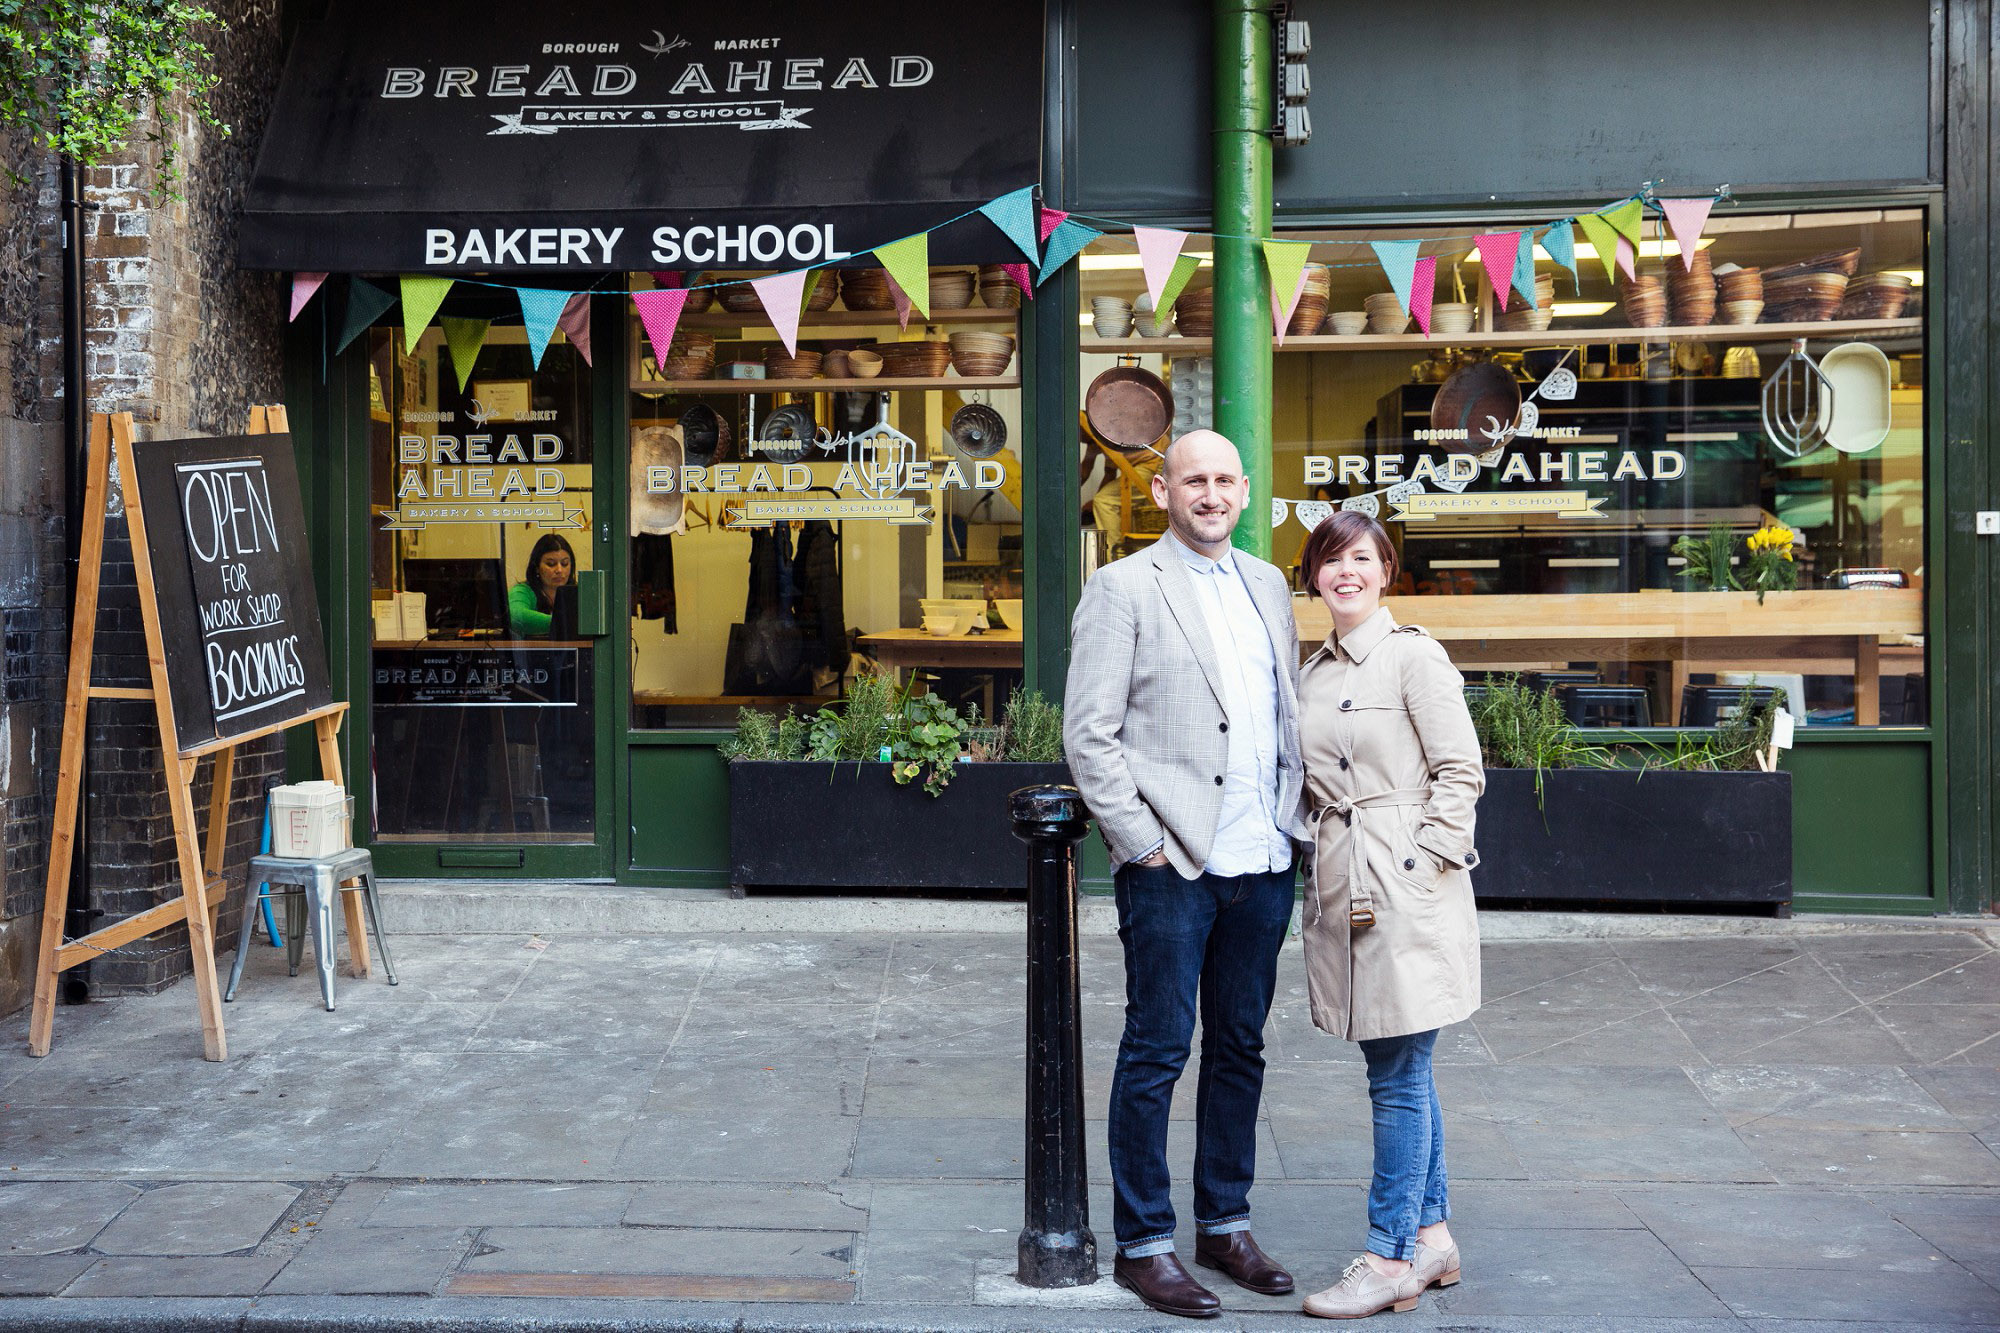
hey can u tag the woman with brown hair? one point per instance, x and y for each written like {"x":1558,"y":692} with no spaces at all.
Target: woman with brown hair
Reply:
{"x":1391,"y":939}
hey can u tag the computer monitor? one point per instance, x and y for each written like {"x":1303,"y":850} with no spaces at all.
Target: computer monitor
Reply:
{"x":562,"y":618}
{"x":459,"y":592}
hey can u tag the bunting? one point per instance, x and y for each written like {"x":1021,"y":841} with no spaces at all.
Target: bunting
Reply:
{"x":1159,"y":251}
{"x":909,"y":264}
{"x":1423,"y":282}
{"x":1626,"y":218}
{"x":365,"y":303}
{"x":1014,"y":215}
{"x":540,"y":309}
{"x":782,"y":295}
{"x":1686,"y":218}
{"x":1065,"y":243}
{"x":464,"y":337}
{"x":1019,"y":273}
{"x":303,"y":287}
{"x":1048,"y":220}
{"x":1625,"y":256}
{"x":1498,"y":253}
{"x":575,"y":324}
{"x":1185,"y":267}
{"x":1399,"y":261}
{"x":1524,"y":270}
{"x":1285,"y":262}
{"x":659,"y":313}
{"x":421,"y":298}
{"x":1604,"y":239}
{"x":1560,"y":241}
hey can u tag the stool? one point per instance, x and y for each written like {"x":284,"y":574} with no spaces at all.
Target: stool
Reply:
{"x":316,"y":884}
{"x":1707,"y":705}
{"x":1605,"y":705}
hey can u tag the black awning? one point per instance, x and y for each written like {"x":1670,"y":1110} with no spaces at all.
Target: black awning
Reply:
{"x":512,"y":137}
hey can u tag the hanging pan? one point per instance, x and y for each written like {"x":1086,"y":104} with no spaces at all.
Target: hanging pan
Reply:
{"x":705,"y":434}
{"x":1479,"y":404}
{"x":978,"y":431}
{"x":785,"y":434}
{"x":1129,"y":408}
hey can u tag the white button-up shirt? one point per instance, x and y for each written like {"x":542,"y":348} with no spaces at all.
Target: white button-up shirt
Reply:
{"x":1248,"y":838}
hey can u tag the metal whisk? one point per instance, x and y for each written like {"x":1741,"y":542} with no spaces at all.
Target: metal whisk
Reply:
{"x":1797,"y":403}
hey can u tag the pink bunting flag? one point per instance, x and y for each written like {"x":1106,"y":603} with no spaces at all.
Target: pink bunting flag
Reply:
{"x":1625,"y":256}
{"x":1497,"y":252}
{"x":1423,"y":282}
{"x":1281,"y":315}
{"x":1159,"y":247}
{"x":1687,"y":217}
{"x":782,"y":294}
{"x":303,"y":287}
{"x":575,"y":324}
{"x":1022,"y":279}
{"x":903,"y":303}
{"x":660,"y":311}
{"x":1051,"y":219}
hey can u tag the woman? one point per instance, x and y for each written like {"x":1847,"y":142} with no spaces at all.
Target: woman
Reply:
{"x":532,"y":601}
{"x":1391,"y":941}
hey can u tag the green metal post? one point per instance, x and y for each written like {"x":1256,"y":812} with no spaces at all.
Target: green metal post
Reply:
{"x":1243,"y":111}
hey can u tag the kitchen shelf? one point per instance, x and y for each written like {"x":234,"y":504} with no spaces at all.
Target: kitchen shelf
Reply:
{"x":1387,"y":342}
{"x":724,"y":319}
{"x":826,"y":385}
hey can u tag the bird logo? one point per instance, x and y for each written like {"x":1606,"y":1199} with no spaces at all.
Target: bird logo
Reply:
{"x":478,"y":414}
{"x":659,"y":46}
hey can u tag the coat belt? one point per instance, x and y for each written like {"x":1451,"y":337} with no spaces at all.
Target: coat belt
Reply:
{"x":1360,"y":902}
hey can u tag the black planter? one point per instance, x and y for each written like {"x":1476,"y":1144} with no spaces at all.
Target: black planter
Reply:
{"x":1615,"y":834}
{"x":849,"y":826}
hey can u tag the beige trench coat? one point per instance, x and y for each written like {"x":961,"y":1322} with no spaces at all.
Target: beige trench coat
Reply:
{"x":1392,"y":779}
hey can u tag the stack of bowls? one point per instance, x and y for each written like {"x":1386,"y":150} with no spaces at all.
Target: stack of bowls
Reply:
{"x":1877,"y":296}
{"x":1741,"y":294}
{"x":779,"y":366}
{"x":1111,"y":316}
{"x":998,"y":291}
{"x":951,"y":288}
{"x":740,"y":298}
{"x":1385,"y":314}
{"x":1800,"y":298}
{"x":913,"y":360}
{"x":1645,"y":299}
{"x":1195,"y":312}
{"x":979,"y":355}
{"x":1310,"y":312}
{"x":823,"y":293}
{"x":1691,"y":292}
{"x":866,"y":289}
{"x":691,"y":357}
{"x":1347,"y":323}
{"x":1520,"y":317}
{"x":1143,"y":321}
{"x":1451,"y":317}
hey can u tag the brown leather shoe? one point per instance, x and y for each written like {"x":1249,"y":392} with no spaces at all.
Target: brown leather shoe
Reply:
{"x":1236,"y":1254}
{"x":1161,"y":1282}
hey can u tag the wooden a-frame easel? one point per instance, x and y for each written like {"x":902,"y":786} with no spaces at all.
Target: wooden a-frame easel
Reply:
{"x":200,"y":867}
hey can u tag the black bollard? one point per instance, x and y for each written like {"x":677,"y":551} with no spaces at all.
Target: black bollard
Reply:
{"x":1056,"y":1247}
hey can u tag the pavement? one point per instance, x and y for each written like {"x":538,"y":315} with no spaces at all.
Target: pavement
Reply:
{"x":1784,"y":1130}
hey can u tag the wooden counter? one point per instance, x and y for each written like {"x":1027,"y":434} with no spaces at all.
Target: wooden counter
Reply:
{"x":995,"y":649}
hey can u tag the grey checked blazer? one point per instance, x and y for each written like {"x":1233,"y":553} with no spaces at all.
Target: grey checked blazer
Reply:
{"x":1143,"y":710}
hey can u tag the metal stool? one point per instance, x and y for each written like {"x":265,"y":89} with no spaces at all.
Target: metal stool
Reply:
{"x":316,"y":884}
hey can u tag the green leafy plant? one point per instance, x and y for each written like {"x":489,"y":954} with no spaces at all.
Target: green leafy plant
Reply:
{"x":1520,"y":727}
{"x":1032,"y":729}
{"x":927,"y":744}
{"x":755,"y":737}
{"x":79,"y":76}
{"x":1707,"y":559}
{"x":1744,"y":732}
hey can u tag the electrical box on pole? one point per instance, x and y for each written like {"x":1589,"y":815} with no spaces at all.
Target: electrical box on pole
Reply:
{"x":1294,"y":80}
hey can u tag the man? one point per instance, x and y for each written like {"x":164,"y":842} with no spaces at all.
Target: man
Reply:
{"x":1181,"y":724}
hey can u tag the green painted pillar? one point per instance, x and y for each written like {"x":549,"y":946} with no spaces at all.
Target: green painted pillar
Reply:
{"x":1243,"y":112}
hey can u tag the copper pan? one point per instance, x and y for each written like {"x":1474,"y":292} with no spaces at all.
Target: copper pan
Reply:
{"x":1128,"y":407}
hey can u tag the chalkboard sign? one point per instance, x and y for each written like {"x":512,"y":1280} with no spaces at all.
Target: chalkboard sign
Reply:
{"x":232,"y":578}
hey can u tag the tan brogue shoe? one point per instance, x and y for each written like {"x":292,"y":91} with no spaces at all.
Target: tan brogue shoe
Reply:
{"x":1362,"y":1291}
{"x":1438,"y":1268}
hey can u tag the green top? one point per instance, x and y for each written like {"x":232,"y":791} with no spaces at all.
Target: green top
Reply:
{"x":524,"y":613}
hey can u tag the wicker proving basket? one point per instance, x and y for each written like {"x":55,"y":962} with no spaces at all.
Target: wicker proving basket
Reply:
{"x":698,"y":367}
{"x":823,"y":293}
{"x":951,"y":288}
{"x":1195,"y":312}
{"x":998,"y":291}
{"x":980,"y":355}
{"x":866,"y":289}
{"x":915,"y":360}
{"x":740,"y":298}
{"x":803,"y":366}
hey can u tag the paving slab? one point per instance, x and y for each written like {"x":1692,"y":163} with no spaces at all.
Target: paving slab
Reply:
{"x":198,"y":1218}
{"x":1807,"y":1099}
{"x":689,"y":1250}
{"x":1871,"y":968}
{"x":524,"y":1203}
{"x":154,"y":1276}
{"x":1635,"y":1153}
{"x":52,"y":1216}
{"x":1581,"y":1094}
{"x":1944,"y":1296}
{"x":1522,"y":1271}
{"x":40,"y":1274}
{"x":825,"y":969}
{"x":901,"y":1147}
{"x":1778,"y":1228}
{"x":374,"y":1261}
{"x":779,"y":1207}
{"x":758,"y":1143}
{"x":717,"y":1028}
{"x":926,"y":1030}
{"x":1875,"y":1157}
{"x":957,"y":969}
{"x":1937,"y":1032}
{"x":686,"y":1083}
{"x":950,"y":1086}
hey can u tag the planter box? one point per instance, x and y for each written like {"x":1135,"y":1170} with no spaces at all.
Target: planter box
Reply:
{"x":849,"y":826}
{"x":1614,"y":834}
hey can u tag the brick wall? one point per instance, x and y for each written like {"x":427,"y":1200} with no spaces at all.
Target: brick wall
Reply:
{"x":185,"y":341}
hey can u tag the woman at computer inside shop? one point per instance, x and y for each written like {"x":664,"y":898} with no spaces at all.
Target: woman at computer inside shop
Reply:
{"x":531,"y":603}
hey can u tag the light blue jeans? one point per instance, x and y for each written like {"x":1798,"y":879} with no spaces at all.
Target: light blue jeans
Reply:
{"x":1409,"y":1189}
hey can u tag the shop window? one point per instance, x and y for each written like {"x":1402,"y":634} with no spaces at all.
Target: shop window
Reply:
{"x":480,"y":516}
{"x":796,"y":520}
{"x":1579,"y":541}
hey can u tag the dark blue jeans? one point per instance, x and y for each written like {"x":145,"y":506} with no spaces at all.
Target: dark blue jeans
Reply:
{"x":1211,"y":942}
{"x":1409,"y":1190}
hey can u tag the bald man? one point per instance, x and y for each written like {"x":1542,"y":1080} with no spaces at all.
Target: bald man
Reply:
{"x":1181,"y":725}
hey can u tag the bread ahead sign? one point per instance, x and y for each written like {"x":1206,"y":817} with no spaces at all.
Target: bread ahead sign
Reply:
{"x":628,"y":137}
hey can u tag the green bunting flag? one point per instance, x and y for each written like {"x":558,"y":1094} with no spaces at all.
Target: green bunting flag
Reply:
{"x":1285,"y":263}
{"x":1185,"y":267}
{"x":1604,"y":239}
{"x":422,"y":295}
{"x":464,"y":337}
{"x":909,"y":264}
{"x":1628,"y":218}
{"x":365,"y":301}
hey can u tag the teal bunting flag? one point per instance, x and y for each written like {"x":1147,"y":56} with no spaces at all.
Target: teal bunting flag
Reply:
{"x":365,"y":304}
{"x":1560,"y":241}
{"x":1065,"y":243}
{"x":1399,"y":261}
{"x":540,"y":309}
{"x":1524,"y":269}
{"x":1014,"y":215}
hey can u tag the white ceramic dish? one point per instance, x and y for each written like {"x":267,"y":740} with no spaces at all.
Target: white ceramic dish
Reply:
{"x":1858,"y":419}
